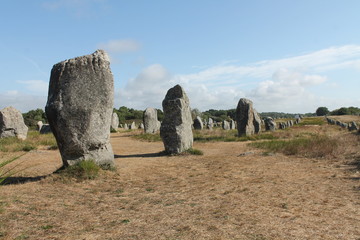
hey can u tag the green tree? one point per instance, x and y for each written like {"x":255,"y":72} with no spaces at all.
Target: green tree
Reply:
{"x":322,"y":111}
{"x":33,"y":116}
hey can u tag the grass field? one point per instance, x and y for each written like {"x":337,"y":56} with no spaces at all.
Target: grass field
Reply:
{"x":300,"y":183}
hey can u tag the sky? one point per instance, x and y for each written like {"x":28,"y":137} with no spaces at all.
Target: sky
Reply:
{"x":285,"y":56}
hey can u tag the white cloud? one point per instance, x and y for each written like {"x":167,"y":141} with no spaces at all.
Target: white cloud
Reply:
{"x":22,"y":101}
{"x":147,"y":89}
{"x":38,"y":86}
{"x":273,"y":85}
{"x":120,"y":46}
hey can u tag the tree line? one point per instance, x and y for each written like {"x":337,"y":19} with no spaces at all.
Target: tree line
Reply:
{"x":126,"y":114}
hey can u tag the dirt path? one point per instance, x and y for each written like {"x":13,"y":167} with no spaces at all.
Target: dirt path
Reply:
{"x":231,"y":192}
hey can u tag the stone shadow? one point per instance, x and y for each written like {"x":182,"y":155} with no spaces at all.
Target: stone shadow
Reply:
{"x":22,"y":180}
{"x":144,"y":155}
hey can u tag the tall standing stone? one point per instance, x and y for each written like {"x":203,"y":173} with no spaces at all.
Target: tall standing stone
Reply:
{"x":12,"y":124}
{"x":151,"y":122}
{"x":198,"y":124}
{"x":175,"y":129}
{"x":247,"y":119}
{"x":114,"y":121}
{"x":80,"y":106}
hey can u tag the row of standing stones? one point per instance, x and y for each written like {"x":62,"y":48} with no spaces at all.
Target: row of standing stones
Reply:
{"x":80,"y":113}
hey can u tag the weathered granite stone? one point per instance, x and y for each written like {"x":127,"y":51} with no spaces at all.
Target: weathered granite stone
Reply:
{"x":353,"y":126}
{"x":198,"y":124}
{"x":141,"y":126}
{"x":248,"y":121}
{"x":175,"y":129}
{"x":132,"y":126}
{"x":270,"y":124}
{"x":126,"y":126}
{"x":79,"y":108}
{"x":43,"y":128}
{"x":12,"y":124}
{"x":232,"y":125}
{"x":257,"y":122}
{"x":151,"y":122}
{"x":210,"y":124}
{"x":114,"y":121}
{"x":225,"y":125}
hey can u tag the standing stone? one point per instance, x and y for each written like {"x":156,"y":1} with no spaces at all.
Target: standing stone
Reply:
{"x":352,"y":126}
{"x":257,"y":122}
{"x":151,"y":122}
{"x":270,"y":124}
{"x":43,"y":128}
{"x":198,"y":124}
{"x":232,"y":125}
{"x":247,"y":119}
{"x":126,"y":126}
{"x":210,"y":124}
{"x":12,"y":124}
{"x":115,"y":121}
{"x":141,"y":126}
{"x":79,"y":108}
{"x":225,"y":125}
{"x":132,"y":126}
{"x":175,"y":129}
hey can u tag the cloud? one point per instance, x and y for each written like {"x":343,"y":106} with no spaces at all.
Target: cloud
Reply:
{"x":274,"y":85}
{"x":22,"y":101}
{"x":38,"y":86}
{"x":147,"y":89}
{"x":120,"y":46}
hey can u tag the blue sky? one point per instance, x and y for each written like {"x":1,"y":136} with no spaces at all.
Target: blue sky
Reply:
{"x":288,"y":56}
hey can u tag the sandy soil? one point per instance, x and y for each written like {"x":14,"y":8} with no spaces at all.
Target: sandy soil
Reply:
{"x":230,"y":192}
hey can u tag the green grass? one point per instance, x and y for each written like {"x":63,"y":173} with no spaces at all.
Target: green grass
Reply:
{"x":82,"y":170}
{"x":33,"y":140}
{"x":316,"y":146}
{"x":194,"y":151}
{"x":148,"y":137}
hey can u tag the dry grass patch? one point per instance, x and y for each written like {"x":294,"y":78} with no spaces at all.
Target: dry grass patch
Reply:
{"x":316,"y":146}
{"x":33,"y":141}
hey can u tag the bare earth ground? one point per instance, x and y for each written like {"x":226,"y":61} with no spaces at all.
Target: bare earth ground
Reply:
{"x":231,"y":192}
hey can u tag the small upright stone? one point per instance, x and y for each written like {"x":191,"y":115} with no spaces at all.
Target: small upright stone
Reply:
{"x":175,"y":129}
{"x":198,"y":124}
{"x":43,"y":128}
{"x":225,"y":125}
{"x":79,"y":108}
{"x":12,"y":124}
{"x":151,"y":122}
{"x":210,"y":124}
{"x":270,"y":124}
{"x":115,"y":121}
{"x":132,"y":126}
{"x":232,"y":125}
{"x":247,"y":119}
